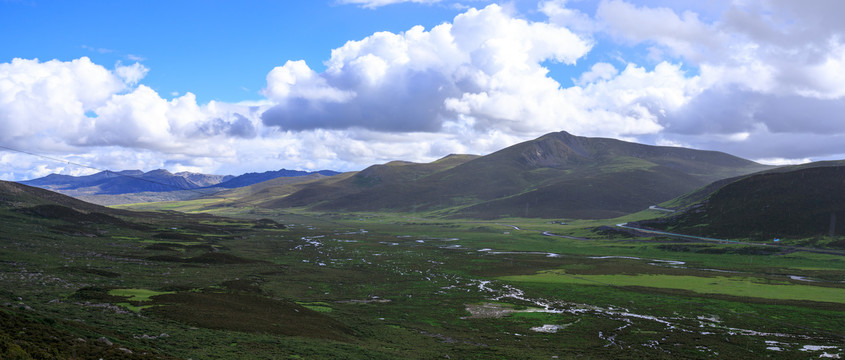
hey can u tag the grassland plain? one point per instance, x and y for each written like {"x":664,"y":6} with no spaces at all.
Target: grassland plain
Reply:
{"x":386,"y":285}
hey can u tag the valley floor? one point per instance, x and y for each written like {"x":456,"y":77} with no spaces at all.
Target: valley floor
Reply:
{"x":373,"y":286}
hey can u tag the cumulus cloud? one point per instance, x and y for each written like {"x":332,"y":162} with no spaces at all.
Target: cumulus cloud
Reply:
{"x":572,"y":19}
{"x":682,"y":34}
{"x":131,"y":74}
{"x":767,"y":69}
{"x":748,"y":110}
{"x":50,"y":99}
{"x":600,"y":70}
{"x":484,"y":67}
{"x":295,"y":80}
{"x":58,"y":106}
{"x":778,"y":47}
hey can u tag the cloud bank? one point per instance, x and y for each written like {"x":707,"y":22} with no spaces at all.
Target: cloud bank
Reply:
{"x":763,"y":80}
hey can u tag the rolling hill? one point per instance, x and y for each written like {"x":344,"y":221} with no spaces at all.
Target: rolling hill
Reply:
{"x":797,"y":201}
{"x":255,"y":178}
{"x":558,"y":175}
{"x":15,"y":195}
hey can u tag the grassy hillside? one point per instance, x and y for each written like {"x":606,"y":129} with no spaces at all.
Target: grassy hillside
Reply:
{"x":799,"y":201}
{"x":557,"y":175}
{"x":375,"y":187}
{"x":14,"y":195}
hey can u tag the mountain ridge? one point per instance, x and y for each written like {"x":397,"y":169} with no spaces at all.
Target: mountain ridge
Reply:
{"x":555,"y":175}
{"x":111,"y":183}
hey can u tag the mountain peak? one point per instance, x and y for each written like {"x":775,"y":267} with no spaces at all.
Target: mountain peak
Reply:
{"x":556,"y":175}
{"x":159,"y":172}
{"x":556,"y":150}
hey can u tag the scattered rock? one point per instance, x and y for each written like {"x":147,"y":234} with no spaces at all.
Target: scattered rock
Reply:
{"x":105,"y":341}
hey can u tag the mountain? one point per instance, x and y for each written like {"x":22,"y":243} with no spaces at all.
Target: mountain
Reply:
{"x":128,"y":186}
{"x":255,"y":178}
{"x":129,"y":181}
{"x":348,"y":185}
{"x":796,"y":201}
{"x":558,"y":175}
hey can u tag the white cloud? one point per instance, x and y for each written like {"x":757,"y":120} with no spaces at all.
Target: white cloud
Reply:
{"x":599,"y":70}
{"x":768,"y":70}
{"x":684,"y":35}
{"x":131,"y":74}
{"x":484,"y":66}
{"x":57,"y":107}
{"x":782,"y":161}
{"x":777,"y":47}
{"x":572,"y":19}
{"x":295,"y":80}
{"x":49,"y":100}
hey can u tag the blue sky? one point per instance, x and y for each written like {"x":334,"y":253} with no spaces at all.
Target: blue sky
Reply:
{"x":231,"y":87}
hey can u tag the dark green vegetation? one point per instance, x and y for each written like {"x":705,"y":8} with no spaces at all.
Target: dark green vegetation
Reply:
{"x":806,"y":202}
{"x":83,"y":281}
{"x":557,"y":175}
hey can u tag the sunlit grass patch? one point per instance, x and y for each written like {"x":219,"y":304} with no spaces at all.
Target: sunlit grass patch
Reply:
{"x":138,"y":298}
{"x":319,"y":306}
{"x":138,"y":294}
{"x":732,"y":285}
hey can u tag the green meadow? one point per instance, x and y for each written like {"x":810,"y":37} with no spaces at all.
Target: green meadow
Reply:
{"x":731,"y":285}
{"x":389,"y":285}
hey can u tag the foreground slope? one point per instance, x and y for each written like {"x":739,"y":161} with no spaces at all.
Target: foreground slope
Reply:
{"x":82,"y":281}
{"x":556,"y":175}
{"x":17,"y":196}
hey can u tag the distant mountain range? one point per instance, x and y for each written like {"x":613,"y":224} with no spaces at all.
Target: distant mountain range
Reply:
{"x":558,"y":175}
{"x":128,"y":181}
{"x":255,"y":178}
{"x":156,"y":181}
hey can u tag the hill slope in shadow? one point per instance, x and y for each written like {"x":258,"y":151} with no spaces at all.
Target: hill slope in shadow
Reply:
{"x":802,"y":201}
